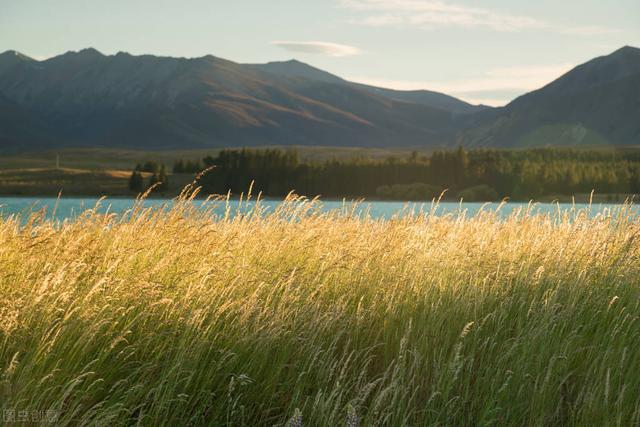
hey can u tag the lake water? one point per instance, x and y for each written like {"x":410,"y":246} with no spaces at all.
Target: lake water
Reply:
{"x":70,"y":208}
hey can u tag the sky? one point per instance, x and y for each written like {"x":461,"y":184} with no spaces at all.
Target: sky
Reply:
{"x":486,"y":51}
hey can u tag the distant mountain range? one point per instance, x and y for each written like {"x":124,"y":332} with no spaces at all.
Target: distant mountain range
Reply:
{"x":87,"y":99}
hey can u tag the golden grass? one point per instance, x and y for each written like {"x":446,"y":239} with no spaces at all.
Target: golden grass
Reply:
{"x":172,"y":318}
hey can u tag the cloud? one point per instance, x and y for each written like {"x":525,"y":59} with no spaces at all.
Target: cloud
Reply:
{"x":436,"y":13}
{"x":319,"y":48}
{"x":496,"y":87}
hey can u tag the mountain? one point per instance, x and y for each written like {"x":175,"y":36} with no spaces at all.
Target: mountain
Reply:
{"x":86,"y":98}
{"x":595,"y":103}
{"x":426,"y":97}
{"x":297,"y":69}
{"x":16,"y":124}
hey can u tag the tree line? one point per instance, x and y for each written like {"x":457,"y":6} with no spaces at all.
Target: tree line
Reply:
{"x":477,"y":174}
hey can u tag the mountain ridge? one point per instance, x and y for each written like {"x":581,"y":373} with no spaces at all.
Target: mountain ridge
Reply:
{"x":86,"y":98}
{"x":161,"y":102}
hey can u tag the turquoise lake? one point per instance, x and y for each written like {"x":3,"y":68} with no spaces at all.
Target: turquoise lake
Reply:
{"x":70,"y":208}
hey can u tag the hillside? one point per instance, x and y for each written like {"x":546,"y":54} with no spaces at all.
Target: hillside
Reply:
{"x":89,"y":99}
{"x":300,"y":70}
{"x":595,"y":103}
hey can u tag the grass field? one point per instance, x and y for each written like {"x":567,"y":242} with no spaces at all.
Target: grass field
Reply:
{"x":321,"y":319}
{"x":78,"y":182}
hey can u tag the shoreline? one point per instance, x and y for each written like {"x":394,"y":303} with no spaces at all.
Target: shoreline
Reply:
{"x":582,"y":199}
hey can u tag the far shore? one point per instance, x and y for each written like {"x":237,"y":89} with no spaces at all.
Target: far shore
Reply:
{"x":113,"y":184}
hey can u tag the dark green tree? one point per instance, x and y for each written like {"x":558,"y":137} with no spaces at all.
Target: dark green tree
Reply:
{"x":460,"y":165}
{"x":163,"y":179}
{"x":136,"y":181}
{"x":150,"y":167}
{"x":518,"y":174}
{"x":179,"y":166}
{"x":153,"y":179}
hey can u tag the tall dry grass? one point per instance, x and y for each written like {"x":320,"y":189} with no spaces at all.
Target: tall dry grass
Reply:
{"x":321,"y":319}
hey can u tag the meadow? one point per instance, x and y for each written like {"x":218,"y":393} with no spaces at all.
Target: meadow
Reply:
{"x":309,"y":318}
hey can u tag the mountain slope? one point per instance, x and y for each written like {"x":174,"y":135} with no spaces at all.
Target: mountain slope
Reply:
{"x":86,"y":98}
{"x":425,"y":97}
{"x":296,"y":70}
{"x":16,"y":124}
{"x":596,"y":102}
{"x":299,"y":70}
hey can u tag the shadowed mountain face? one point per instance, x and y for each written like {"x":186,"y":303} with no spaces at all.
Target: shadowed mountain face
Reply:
{"x":597,"y":102}
{"x":297,"y":69}
{"x":88,"y":99}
